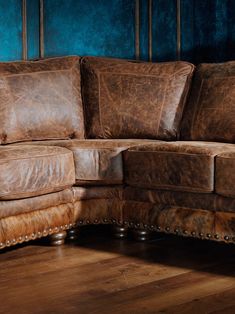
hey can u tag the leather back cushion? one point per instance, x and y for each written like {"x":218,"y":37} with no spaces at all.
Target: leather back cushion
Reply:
{"x":40,"y":100}
{"x":129,"y":99}
{"x":210,"y":112}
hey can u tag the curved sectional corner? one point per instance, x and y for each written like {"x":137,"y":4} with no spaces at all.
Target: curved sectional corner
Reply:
{"x":146,"y":146}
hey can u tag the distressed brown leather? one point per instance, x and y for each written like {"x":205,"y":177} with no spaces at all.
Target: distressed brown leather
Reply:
{"x":179,"y":166}
{"x":203,"y":224}
{"x":40,"y":100}
{"x":26,"y":205}
{"x":28,"y":170}
{"x":94,"y":211}
{"x":225,"y":174}
{"x":129,"y":99}
{"x":96,"y":161}
{"x":210,"y":112}
{"x":36,"y":224}
{"x":162,"y":198}
{"x":97,"y":192}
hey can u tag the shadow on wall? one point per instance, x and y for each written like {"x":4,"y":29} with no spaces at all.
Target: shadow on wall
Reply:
{"x":220,"y":52}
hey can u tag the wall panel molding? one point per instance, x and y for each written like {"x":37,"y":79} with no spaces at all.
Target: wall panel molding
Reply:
{"x":150,"y":25}
{"x":24,"y":30}
{"x":137,"y":29}
{"x":178,"y":13}
{"x":41,"y":32}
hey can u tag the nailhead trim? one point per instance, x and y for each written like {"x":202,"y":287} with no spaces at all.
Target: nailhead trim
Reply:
{"x":45,"y":232}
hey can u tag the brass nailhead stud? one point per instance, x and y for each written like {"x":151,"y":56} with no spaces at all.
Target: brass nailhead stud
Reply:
{"x":217,"y":236}
{"x":114,"y":221}
{"x":176,"y":230}
{"x":152,"y":226}
{"x":185,"y":232}
{"x":145,"y":226}
{"x":70,"y":225}
{"x":96,"y":221}
{"x":39,"y":233}
{"x":193,"y":233}
{"x":8,"y":243}
{"x":226,"y":238}
{"x":14,"y":241}
{"x":105,"y":220}
{"x":80,"y":222}
{"x":158,"y":228}
{"x":88,"y":221}
{"x":208,"y":235}
{"x":125,"y":222}
{"x":66,"y":226}
{"x":167,"y":228}
{"x":1,"y":244}
{"x":200,"y":234}
{"x":26,"y":237}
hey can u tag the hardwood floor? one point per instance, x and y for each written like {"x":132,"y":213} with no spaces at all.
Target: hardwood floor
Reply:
{"x":99,"y":274}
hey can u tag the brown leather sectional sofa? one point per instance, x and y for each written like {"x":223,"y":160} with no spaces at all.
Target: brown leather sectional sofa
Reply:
{"x":138,"y":145}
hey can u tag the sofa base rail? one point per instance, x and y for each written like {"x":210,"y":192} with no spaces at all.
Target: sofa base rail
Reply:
{"x":142,"y":217}
{"x":120,"y":228}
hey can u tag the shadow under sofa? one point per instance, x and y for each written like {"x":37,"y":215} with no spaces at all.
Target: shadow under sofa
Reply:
{"x":135,"y":144}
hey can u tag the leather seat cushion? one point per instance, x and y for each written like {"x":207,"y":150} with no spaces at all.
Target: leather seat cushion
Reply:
{"x":27,"y":171}
{"x":225,"y":174}
{"x":129,"y":99}
{"x":40,"y":100}
{"x":210,"y":112}
{"x":179,"y":166}
{"x":97,"y":161}
{"x":13,"y":207}
{"x":164,"y":199}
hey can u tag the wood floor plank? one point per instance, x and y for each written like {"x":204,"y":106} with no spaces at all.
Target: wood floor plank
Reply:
{"x":101,"y":275}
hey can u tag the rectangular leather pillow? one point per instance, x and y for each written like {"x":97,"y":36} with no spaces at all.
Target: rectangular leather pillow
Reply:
{"x":129,"y":99}
{"x":210,"y":112}
{"x":40,"y":100}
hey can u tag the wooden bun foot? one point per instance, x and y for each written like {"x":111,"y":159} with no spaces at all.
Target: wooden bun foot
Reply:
{"x":120,"y":232}
{"x":73,"y":234}
{"x":141,"y":234}
{"x":58,"y":238}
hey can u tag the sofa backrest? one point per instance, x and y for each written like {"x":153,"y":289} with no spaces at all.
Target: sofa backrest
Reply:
{"x":129,"y":99}
{"x":40,"y":100}
{"x":210,"y":112}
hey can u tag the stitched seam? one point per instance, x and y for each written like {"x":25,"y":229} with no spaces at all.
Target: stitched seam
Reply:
{"x":35,"y":157}
{"x":41,"y":190}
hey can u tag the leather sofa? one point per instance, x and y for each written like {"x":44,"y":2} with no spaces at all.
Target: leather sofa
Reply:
{"x":146,"y":146}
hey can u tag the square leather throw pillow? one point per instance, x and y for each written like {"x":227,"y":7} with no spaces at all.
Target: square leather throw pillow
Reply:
{"x":210,"y":112}
{"x":129,"y":99}
{"x":40,"y":100}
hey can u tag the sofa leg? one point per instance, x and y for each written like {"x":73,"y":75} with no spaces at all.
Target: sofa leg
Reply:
{"x":120,"y":232}
{"x":58,"y":238}
{"x":72,"y":234}
{"x":141,"y":234}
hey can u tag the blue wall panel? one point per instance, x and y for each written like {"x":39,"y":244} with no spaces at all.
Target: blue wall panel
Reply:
{"x":107,"y":28}
{"x":91,"y":27}
{"x":164,"y":30}
{"x":144,"y":40}
{"x":33,"y":28}
{"x":10,"y":30}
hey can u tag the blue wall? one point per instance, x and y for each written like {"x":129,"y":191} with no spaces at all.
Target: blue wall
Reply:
{"x":107,"y":28}
{"x":100,"y":27}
